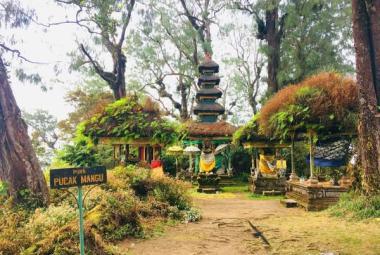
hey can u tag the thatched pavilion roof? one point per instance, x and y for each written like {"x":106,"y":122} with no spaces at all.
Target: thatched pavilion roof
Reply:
{"x":131,"y":118}
{"x":221,"y":129}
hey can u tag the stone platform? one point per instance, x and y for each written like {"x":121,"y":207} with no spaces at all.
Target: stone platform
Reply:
{"x":208,"y":183}
{"x":314,"y":197}
{"x":267,"y":185}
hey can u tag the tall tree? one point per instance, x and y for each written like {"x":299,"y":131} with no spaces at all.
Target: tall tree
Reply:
{"x":168,"y":50}
{"x":87,"y":99}
{"x":301,"y":37}
{"x":318,"y":37}
{"x":270,"y":28}
{"x":19,"y":165}
{"x":44,"y":134}
{"x":106,"y":22}
{"x":201,"y":14}
{"x":366,"y":30}
{"x":247,"y":63}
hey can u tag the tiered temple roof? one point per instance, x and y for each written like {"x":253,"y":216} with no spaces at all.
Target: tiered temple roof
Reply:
{"x":207,"y":109}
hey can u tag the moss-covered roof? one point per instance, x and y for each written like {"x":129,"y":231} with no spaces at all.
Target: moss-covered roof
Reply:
{"x":326,"y":103}
{"x":214,"y":129}
{"x":131,"y":118}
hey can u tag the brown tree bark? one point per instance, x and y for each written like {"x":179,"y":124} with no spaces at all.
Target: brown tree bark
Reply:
{"x":273,"y":40}
{"x":19,"y":166}
{"x":366,"y":30}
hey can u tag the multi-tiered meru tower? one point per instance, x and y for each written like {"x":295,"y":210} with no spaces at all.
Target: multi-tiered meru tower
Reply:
{"x":209,"y":131}
{"x":207,"y":109}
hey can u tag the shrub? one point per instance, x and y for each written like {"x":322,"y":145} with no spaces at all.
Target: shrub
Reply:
{"x":173,"y":192}
{"x":46,"y":220}
{"x":113,"y":212}
{"x":119,"y":216}
{"x":356,"y":206}
{"x":13,"y":237}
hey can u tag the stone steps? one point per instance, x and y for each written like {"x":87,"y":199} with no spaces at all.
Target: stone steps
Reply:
{"x":289,"y":203}
{"x":272,"y":193}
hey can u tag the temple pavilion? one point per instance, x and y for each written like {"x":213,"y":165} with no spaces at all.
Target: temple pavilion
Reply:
{"x":135,"y":128}
{"x":208,"y":130}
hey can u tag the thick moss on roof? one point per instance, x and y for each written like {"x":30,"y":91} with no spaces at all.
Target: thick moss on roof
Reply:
{"x":214,"y":129}
{"x":131,"y":118}
{"x":249,"y":132}
{"x":326,"y":103}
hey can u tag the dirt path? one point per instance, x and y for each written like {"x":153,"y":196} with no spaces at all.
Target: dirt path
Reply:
{"x":224,"y":229}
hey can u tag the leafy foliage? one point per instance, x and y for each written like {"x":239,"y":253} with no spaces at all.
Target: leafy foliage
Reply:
{"x":87,"y":100}
{"x":356,"y":206}
{"x":240,"y":161}
{"x":317,"y":38}
{"x":325,"y":103}
{"x":131,"y":118}
{"x":113,"y":212}
{"x":44,"y":134}
{"x":247,"y":132}
{"x":81,"y":154}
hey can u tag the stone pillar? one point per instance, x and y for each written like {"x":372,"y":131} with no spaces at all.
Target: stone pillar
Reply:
{"x":293,"y":176}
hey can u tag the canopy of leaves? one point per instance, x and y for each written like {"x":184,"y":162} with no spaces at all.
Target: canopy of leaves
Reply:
{"x":131,"y":118}
{"x":249,"y":131}
{"x":325,"y":103}
{"x":317,"y":38}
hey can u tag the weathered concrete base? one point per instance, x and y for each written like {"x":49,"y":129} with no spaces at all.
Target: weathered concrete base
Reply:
{"x":267,"y":185}
{"x":314,"y":197}
{"x":289,"y":203}
{"x":225,"y":180}
{"x":208,"y":183}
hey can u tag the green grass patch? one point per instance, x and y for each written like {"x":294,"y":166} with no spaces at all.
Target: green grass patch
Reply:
{"x":235,"y":188}
{"x":262,"y":197}
{"x":356,"y":206}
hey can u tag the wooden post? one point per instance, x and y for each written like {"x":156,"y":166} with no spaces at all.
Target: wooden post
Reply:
{"x":126,"y":152}
{"x":293,"y":175}
{"x":313,"y":179}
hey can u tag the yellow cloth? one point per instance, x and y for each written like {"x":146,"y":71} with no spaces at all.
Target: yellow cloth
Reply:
{"x":281,"y":164}
{"x":206,"y":166}
{"x":265,"y":164}
{"x":157,"y":172}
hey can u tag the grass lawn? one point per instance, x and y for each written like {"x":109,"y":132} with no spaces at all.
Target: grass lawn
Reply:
{"x":239,"y":188}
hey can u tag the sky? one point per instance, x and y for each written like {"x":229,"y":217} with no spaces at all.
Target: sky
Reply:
{"x":51,"y":46}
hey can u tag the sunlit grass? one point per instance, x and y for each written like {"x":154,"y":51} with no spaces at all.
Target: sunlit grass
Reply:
{"x":262,"y":197}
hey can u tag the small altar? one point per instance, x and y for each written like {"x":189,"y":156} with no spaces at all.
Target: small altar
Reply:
{"x":267,"y":185}
{"x":314,"y":197}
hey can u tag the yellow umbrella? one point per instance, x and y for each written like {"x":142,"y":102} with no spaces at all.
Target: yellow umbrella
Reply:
{"x":175,"y":150}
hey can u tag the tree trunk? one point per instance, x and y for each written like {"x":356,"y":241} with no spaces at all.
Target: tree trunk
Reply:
{"x":271,"y":18}
{"x":19,"y":166}
{"x":366,"y":30}
{"x":184,"y":114}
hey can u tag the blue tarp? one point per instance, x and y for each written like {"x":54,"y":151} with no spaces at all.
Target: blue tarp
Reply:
{"x":320,"y":162}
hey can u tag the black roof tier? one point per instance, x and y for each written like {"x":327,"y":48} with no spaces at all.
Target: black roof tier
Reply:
{"x":209,"y":79}
{"x":209,"y":108}
{"x":209,"y":92}
{"x":208,"y":67}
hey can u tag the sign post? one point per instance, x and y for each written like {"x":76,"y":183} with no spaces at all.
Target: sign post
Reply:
{"x":81,"y":220}
{"x":78,"y":177}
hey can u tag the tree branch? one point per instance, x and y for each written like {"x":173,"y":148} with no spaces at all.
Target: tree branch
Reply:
{"x":126,"y":23}
{"x":99,"y":70}
{"x":19,"y":55}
